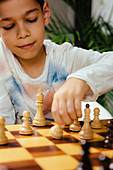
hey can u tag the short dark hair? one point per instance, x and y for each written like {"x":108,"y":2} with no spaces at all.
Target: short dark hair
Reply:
{"x":41,"y":2}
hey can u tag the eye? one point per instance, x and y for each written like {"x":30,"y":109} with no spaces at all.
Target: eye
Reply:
{"x":9,"y":28}
{"x":32,"y":20}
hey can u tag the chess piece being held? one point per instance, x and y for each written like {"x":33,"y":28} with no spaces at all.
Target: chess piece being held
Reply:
{"x":86,"y":132}
{"x":75,"y":126}
{"x":39,"y":119}
{"x":56,"y":132}
{"x":96,"y":124}
{"x":3,"y":137}
{"x":26,"y":129}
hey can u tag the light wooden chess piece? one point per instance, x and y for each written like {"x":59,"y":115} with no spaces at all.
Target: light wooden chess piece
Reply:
{"x":75,"y":126}
{"x":96,"y":124}
{"x":26,"y":129}
{"x":56,"y":132}
{"x":3,"y":137}
{"x":39,"y":119}
{"x":86,"y":132}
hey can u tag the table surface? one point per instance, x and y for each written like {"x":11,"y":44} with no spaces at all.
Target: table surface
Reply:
{"x":41,"y":151}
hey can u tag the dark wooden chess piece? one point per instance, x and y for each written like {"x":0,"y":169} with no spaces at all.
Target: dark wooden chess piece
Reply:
{"x":105,"y":163}
{"x":85,"y":163}
{"x":108,"y":141}
{"x":110,"y":166}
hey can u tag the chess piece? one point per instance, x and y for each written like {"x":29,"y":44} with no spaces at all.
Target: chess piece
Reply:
{"x":3,"y":137}
{"x":110,"y":166}
{"x":108,"y":141}
{"x":56,"y":132}
{"x":96,"y":124}
{"x":75,"y":126}
{"x":86,"y":132}
{"x":104,"y":163}
{"x":39,"y":119}
{"x":26,"y":129}
{"x":85,"y":163}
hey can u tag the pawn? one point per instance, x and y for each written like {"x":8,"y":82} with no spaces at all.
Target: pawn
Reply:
{"x":96,"y":122}
{"x":56,"y":132}
{"x":75,"y":126}
{"x":104,"y":163}
{"x":86,"y":132}
{"x":110,"y":166}
{"x":3,"y":137}
{"x":26,"y":129}
{"x":108,"y":141}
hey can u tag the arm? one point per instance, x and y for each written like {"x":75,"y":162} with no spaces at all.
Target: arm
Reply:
{"x":99,"y":76}
{"x":6,"y":107}
{"x":88,"y":70}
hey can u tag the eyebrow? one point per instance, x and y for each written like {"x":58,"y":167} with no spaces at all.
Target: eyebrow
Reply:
{"x":26,"y":13}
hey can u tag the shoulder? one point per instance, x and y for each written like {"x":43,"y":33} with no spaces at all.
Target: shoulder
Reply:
{"x":4,"y":66}
{"x":53,"y":49}
{"x":50,"y":44}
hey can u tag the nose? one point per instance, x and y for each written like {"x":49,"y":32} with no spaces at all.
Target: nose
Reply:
{"x":23,"y":32}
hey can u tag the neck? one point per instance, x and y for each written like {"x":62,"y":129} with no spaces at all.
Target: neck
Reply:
{"x":34,"y":66}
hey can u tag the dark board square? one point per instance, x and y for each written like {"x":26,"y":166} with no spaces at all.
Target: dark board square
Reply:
{"x":45,"y":151}
{"x":23,"y":165}
{"x":65,"y":139}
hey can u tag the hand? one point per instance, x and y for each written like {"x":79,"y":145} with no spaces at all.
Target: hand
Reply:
{"x":66,"y":105}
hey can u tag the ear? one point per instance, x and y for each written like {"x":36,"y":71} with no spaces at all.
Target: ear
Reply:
{"x":46,"y":13}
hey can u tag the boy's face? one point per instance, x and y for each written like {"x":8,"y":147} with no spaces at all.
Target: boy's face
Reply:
{"x":22,"y":26}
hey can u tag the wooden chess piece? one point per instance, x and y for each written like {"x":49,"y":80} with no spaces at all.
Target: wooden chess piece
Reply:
{"x":39,"y":119}
{"x":26,"y":129}
{"x":86,"y":132}
{"x":104,"y":163}
{"x":56,"y":132}
{"x":3,"y":137}
{"x":75,"y":126}
{"x":108,"y":141}
{"x":110,"y":166}
{"x":85,"y":163}
{"x":96,"y":124}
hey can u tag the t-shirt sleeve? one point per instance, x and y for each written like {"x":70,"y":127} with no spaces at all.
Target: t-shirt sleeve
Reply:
{"x":98,"y":73}
{"x":6,"y":107}
{"x":91,"y":66}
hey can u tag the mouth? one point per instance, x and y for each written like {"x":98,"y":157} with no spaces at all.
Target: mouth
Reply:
{"x":27,"y":46}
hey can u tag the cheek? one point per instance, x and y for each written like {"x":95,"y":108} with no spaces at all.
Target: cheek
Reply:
{"x":8,"y":42}
{"x":8,"y":38}
{"x":38,"y":31}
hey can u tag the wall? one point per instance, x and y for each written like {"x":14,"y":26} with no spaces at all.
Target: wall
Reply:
{"x":99,"y":7}
{"x":103,"y":8}
{"x":62,"y":9}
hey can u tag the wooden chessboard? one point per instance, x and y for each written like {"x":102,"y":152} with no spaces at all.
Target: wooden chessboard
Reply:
{"x":41,"y":151}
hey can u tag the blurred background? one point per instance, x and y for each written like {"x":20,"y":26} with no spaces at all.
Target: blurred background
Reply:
{"x":87,"y":24}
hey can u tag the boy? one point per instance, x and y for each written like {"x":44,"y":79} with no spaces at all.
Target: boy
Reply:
{"x":28,"y":62}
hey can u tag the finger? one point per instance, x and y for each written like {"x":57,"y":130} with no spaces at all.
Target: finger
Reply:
{"x":63,"y":112}
{"x":56,"y":116}
{"x":78,"y":109}
{"x":71,"y":109}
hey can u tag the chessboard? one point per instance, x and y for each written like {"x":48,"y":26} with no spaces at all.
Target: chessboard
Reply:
{"x":40,"y":151}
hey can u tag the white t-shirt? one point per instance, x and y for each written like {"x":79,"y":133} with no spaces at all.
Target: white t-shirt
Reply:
{"x":18,"y":90}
